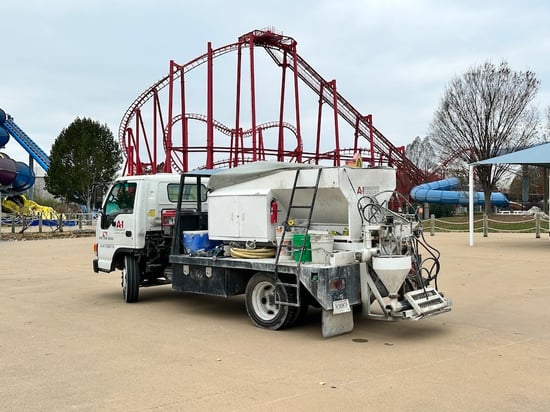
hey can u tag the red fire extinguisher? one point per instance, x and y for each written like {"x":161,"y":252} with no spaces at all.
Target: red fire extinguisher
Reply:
{"x":273,"y":211}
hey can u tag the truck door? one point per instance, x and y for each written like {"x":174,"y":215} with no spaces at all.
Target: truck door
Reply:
{"x":117,"y":222}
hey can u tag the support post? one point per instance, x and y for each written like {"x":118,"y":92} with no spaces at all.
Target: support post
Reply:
{"x":471,"y":203}
{"x":426,"y":210}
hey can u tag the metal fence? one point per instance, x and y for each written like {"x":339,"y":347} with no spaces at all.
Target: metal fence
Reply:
{"x":536,"y":223}
{"x":86,"y":222}
{"x":11,"y":223}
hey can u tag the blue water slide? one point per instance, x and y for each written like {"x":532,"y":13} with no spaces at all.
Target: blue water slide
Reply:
{"x":441,"y":192}
{"x":6,"y":122}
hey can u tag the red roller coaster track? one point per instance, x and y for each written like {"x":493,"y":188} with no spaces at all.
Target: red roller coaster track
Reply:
{"x":157,"y":136}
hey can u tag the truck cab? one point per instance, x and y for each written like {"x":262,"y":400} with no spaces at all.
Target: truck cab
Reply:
{"x":134,"y":232}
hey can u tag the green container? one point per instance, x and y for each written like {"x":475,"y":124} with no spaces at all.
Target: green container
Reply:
{"x":297,"y":243}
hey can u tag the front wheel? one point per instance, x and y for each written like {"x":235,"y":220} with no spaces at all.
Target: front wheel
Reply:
{"x":262,"y":294}
{"x":130,"y":279}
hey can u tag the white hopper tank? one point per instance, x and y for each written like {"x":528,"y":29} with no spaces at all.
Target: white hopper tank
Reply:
{"x":240,"y":199}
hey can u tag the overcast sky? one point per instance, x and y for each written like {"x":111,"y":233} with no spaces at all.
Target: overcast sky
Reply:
{"x":63,"y":59}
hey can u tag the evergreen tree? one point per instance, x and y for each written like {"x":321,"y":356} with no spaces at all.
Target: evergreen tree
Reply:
{"x":83,"y":155}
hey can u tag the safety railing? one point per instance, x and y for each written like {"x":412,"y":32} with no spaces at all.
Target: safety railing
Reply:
{"x":536,"y":223}
{"x":66,"y":222}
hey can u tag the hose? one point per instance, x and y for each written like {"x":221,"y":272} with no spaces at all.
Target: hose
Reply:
{"x":433,"y":259}
{"x":252,"y":253}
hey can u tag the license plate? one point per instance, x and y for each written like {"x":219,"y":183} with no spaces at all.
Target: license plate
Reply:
{"x":340,"y":306}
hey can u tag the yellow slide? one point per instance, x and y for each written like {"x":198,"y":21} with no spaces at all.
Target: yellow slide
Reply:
{"x":19,"y":204}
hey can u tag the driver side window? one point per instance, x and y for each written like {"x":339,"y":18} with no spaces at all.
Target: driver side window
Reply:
{"x":119,"y":200}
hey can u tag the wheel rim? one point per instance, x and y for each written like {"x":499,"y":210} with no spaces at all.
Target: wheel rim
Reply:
{"x":263,"y":301}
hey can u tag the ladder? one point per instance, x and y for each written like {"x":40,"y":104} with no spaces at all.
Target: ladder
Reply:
{"x":293,"y":282}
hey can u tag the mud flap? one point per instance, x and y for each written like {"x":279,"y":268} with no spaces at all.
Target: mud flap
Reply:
{"x":333,"y":325}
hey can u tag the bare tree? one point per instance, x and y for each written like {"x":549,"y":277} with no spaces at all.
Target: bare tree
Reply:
{"x":483,"y":114}
{"x":422,"y":154}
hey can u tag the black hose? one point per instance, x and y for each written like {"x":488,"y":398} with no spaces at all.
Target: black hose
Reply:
{"x":433,"y":271}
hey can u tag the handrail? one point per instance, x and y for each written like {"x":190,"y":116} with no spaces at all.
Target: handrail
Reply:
{"x":540,"y":224}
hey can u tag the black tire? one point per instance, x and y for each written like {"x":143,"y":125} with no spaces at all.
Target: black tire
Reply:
{"x":302,"y":310}
{"x":130,"y":279}
{"x":261,"y":295}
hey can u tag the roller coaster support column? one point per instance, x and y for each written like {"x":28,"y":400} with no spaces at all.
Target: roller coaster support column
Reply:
{"x":281,"y":142}
{"x":332,"y":85}
{"x":237,"y":132}
{"x":210,"y":109}
{"x":168,"y":140}
{"x":371,"y":140}
{"x":253,"y":98}
{"x":130,"y":161}
{"x":184,"y":126}
{"x":319,"y":117}
{"x":295,"y":70}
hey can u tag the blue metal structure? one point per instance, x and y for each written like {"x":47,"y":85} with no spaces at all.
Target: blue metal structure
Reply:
{"x":6,"y":121}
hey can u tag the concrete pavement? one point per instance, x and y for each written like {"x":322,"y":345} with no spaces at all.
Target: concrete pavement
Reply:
{"x":69,"y":343}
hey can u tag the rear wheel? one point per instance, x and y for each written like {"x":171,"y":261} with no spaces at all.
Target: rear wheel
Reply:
{"x":301,"y":311}
{"x":262,"y":294}
{"x":130,"y":279}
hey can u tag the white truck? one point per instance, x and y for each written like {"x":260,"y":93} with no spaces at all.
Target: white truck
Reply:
{"x":286,"y":235}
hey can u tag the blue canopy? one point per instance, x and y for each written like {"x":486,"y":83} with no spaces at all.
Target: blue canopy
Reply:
{"x":535,"y":156}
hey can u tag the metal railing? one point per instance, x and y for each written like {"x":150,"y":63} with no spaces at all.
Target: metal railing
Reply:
{"x":65,"y":222}
{"x":534,"y":223}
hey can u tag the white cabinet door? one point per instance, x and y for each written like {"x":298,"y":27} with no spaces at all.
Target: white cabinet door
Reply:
{"x":254,"y":218}
{"x":223,"y":217}
{"x":243,"y":217}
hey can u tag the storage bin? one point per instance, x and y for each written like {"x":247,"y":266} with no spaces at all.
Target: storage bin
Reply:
{"x":297,"y":242}
{"x":196,"y":240}
{"x":321,"y":248}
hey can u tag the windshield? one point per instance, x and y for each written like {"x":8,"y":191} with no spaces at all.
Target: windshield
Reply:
{"x":119,"y":200}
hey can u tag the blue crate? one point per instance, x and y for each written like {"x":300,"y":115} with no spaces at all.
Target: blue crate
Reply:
{"x":196,"y":240}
